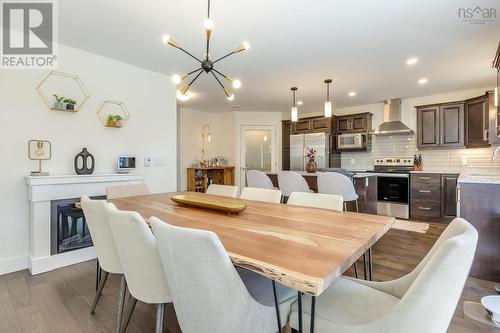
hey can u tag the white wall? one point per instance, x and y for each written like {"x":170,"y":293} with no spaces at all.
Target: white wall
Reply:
{"x":190,"y":141}
{"x":151,"y":131}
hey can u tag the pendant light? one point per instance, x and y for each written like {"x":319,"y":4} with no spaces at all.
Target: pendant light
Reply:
{"x":328,"y":102}
{"x":294,"y":111}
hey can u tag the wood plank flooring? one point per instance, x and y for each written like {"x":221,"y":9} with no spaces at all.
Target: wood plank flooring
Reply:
{"x":59,"y":301}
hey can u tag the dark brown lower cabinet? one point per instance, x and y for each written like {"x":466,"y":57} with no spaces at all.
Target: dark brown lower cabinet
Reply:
{"x":479,"y":205}
{"x":433,"y":197}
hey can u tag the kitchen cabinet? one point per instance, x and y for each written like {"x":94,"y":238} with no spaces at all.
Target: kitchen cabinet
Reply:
{"x":494,"y":110}
{"x":286,"y":130}
{"x":354,"y":123}
{"x":440,"y":125}
{"x":433,"y":196}
{"x":477,"y":122}
{"x":312,"y":125}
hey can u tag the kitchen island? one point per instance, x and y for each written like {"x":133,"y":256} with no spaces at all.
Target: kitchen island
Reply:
{"x":365,"y":184}
{"x":479,"y":203}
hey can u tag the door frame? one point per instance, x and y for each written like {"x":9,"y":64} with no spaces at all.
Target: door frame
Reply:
{"x":242,"y":167}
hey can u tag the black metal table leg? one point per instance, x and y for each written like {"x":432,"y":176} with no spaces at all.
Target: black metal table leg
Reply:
{"x":276,"y":304}
{"x":313,"y":313}
{"x":370,"y":263}
{"x":364,"y":266}
{"x":97,"y":275}
{"x":300,"y":310}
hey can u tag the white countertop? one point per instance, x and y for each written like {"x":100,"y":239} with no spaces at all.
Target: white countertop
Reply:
{"x":305,"y":173}
{"x":485,"y":175}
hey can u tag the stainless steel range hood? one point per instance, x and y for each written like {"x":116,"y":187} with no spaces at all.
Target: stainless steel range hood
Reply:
{"x":392,"y":124}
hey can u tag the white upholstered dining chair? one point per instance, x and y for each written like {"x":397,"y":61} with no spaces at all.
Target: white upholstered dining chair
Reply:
{"x":258,"y":179}
{"x":223,"y":190}
{"x":319,"y":200}
{"x":291,"y":181}
{"x":96,"y":215}
{"x":339,"y":184}
{"x":129,"y":190}
{"x":316,"y":200}
{"x":209,"y":294}
{"x":422,"y":301}
{"x":261,"y":194}
{"x":138,"y":253}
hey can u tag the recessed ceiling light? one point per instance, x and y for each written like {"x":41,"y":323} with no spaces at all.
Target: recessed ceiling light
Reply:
{"x":411,"y":61}
{"x":423,"y":81}
{"x":300,"y":102}
{"x":352,"y":94}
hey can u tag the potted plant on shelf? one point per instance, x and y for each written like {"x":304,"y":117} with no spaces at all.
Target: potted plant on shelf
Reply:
{"x":59,"y":102}
{"x":311,"y":165}
{"x":70,"y":104}
{"x":111,"y":121}
{"x":119,"y":121}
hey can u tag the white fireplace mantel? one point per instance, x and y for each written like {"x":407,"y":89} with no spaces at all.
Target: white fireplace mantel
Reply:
{"x":41,"y":191}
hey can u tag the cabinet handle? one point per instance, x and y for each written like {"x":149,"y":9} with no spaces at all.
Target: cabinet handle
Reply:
{"x":424,"y":208}
{"x":424,"y":191}
{"x":441,"y":139}
{"x":485,"y":135}
{"x":424,"y":178}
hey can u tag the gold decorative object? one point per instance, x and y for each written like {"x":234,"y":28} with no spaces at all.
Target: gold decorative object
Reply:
{"x":206,"y":201}
{"x":117,"y":118}
{"x":51,"y":105}
{"x":39,"y":150}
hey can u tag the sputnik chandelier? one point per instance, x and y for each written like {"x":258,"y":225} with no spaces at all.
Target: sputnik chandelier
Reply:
{"x":207,"y":65}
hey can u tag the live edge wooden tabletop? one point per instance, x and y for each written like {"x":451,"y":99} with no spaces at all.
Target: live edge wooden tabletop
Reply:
{"x":303,"y":248}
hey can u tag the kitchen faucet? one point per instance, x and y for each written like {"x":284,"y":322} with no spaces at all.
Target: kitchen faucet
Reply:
{"x":495,"y":152}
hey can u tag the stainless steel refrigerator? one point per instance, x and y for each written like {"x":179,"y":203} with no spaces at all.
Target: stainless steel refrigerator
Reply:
{"x":298,"y":149}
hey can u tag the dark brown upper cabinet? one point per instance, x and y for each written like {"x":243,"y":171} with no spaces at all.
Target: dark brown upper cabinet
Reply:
{"x":354,"y":123}
{"x":312,"y":125}
{"x":440,"y":125}
{"x":477,"y":122}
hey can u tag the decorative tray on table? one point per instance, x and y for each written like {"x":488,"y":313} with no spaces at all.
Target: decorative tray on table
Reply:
{"x":206,"y":201}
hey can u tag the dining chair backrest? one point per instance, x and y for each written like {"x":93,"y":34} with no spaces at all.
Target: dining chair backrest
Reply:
{"x":137,"y":249}
{"x":208,"y":293}
{"x":261,"y":194}
{"x":336,"y":183}
{"x":258,"y":179}
{"x":223,"y":190}
{"x":129,"y":190}
{"x":430,"y":293}
{"x":290,"y":181}
{"x":96,"y":217}
{"x":316,"y":200}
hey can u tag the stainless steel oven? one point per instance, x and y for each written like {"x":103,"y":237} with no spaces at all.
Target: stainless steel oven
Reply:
{"x":393,"y":189}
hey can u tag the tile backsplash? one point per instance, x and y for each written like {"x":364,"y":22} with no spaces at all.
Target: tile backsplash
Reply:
{"x":406,"y":145}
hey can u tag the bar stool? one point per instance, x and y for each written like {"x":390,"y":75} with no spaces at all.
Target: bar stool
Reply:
{"x":339,"y":184}
{"x":258,"y":179}
{"x":290,"y":181}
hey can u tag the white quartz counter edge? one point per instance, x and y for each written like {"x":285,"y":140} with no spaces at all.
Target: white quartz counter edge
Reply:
{"x":304,"y":173}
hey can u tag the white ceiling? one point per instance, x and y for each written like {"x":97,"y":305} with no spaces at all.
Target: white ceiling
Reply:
{"x":361,"y":44}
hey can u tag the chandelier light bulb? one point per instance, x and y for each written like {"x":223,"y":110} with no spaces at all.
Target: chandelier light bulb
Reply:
{"x":165,"y":39}
{"x":208,"y":24}
{"x":230,"y":97}
{"x":176,"y":79}
{"x":236,"y":83}
{"x":169,"y":41}
{"x":184,"y":97}
{"x":246,"y":45}
{"x":243,"y":47}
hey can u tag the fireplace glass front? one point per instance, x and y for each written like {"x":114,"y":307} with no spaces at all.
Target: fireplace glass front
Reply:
{"x":69,"y":230}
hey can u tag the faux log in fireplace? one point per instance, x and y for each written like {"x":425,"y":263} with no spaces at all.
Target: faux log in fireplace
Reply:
{"x":69,"y":229}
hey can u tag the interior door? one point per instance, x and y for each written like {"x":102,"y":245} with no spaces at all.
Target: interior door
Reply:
{"x":257,"y":149}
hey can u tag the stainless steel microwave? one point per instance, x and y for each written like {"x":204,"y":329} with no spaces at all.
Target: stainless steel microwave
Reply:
{"x":351,"y":141}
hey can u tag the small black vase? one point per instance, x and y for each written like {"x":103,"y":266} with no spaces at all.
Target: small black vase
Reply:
{"x":70,"y":107}
{"x":85,"y":169}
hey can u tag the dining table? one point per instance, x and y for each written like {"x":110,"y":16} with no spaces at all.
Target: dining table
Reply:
{"x":302,"y":248}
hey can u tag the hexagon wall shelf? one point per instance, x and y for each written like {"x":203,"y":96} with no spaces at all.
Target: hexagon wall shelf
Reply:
{"x":77,"y":88}
{"x":113,"y":114}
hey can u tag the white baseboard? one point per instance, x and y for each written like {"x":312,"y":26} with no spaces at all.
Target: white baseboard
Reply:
{"x":13,"y":264}
{"x":45,"y":264}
